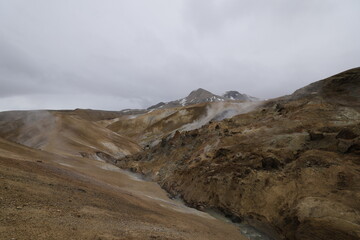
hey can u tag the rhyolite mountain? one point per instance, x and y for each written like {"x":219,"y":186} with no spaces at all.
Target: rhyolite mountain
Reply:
{"x":201,"y":96}
{"x":290,"y":166}
{"x":287,"y":167}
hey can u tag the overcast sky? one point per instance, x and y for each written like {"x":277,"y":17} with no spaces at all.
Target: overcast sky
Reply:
{"x":116,"y":54}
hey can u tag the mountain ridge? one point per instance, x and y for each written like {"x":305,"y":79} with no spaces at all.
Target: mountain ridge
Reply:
{"x":201,"y":95}
{"x":292,"y":163}
{"x":289,"y":166}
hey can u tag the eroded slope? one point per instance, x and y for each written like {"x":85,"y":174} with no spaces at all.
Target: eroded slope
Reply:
{"x":149,"y":128}
{"x":48,"y":196}
{"x":292,"y":164}
{"x":64,"y":134}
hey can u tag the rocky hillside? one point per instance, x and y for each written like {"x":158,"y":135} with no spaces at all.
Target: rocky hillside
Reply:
{"x":340,"y":89}
{"x":290,"y":167}
{"x":203,"y":96}
{"x":149,"y":128}
{"x":56,"y":182}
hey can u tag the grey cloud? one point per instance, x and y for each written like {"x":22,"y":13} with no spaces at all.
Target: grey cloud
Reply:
{"x":118,"y":54}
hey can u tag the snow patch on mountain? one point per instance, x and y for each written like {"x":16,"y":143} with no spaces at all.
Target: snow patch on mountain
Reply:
{"x":201,"y":95}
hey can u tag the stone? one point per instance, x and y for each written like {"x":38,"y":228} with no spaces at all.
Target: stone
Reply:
{"x":346,"y":134}
{"x":314,"y":136}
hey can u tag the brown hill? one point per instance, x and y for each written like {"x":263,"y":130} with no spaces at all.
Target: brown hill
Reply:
{"x":92,"y":115}
{"x":341,"y":89}
{"x":48,"y":196}
{"x":291,"y":165}
{"x":64,"y":134}
{"x":149,"y":128}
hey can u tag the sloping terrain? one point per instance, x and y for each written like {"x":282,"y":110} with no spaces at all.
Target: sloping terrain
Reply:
{"x":149,"y":128}
{"x":64,"y":134}
{"x":289,"y":167}
{"x":292,"y":165}
{"x":341,"y":89}
{"x":92,"y":115}
{"x":47,"y":196}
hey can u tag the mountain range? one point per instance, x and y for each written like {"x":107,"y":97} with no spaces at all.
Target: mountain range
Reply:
{"x":201,"y":167}
{"x":201,"y":95}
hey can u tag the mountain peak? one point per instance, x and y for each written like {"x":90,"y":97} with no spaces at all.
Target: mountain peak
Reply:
{"x":235,"y":95}
{"x":201,"y":95}
{"x":200,"y":90}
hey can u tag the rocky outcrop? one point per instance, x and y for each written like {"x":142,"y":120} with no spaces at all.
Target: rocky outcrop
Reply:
{"x":235,"y":95}
{"x":341,"y":89}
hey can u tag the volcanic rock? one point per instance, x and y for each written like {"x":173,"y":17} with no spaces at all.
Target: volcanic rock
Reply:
{"x":270,"y":172}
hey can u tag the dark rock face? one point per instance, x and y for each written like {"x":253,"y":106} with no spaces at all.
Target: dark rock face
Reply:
{"x":235,"y":95}
{"x":106,"y":157}
{"x":316,"y":136}
{"x":270,"y":163}
{"x":103,"y":156}
{"x":349,"y":146}
{"x":355,"y":148}
{"x":156,"y":106}
{"x":346,"y":134}
{"x":222,"y":152}
{"x":342,"y":88}
{"x":199,"y":95}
